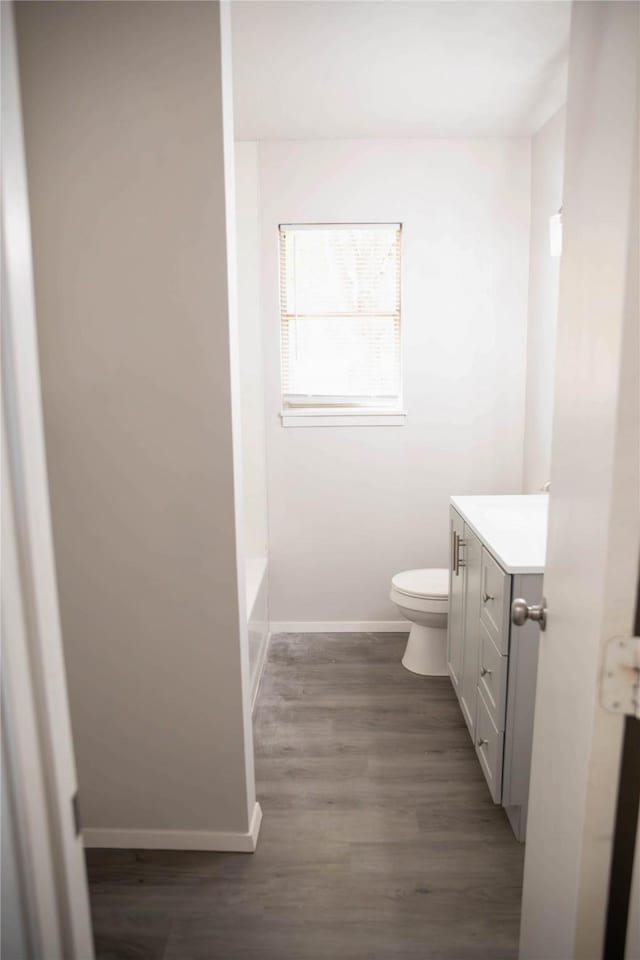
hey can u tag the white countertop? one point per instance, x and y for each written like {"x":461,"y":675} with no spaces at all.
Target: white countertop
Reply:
{"x":513,"y":528}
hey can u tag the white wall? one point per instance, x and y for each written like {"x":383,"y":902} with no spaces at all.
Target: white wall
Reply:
{"x":254,"y":475}
{"x":125,"y":106}
{"x":547,"y":165}
{"x":349,"y":507}
{"x":254,"y":468}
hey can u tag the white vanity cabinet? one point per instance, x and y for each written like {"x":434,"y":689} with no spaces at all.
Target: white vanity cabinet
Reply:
{"x":497,"y":554}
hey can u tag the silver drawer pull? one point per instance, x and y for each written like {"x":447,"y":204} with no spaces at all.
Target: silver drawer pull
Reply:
{"x":484,"y":671}
{"x":482,"y":742}
{"x":486,"y":597}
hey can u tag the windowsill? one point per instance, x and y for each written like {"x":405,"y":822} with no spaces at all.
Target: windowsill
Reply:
{"x":329,"y":417}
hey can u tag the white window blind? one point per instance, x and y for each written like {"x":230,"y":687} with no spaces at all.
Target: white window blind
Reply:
{"x":340,"y":315}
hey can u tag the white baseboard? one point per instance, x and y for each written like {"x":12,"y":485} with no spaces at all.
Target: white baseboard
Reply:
{"x":340,"y":626}
{"x":262,"y":659}
{"x":221,"y":841}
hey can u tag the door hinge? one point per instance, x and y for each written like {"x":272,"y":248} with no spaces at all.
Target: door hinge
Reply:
{"x":620,"y":688}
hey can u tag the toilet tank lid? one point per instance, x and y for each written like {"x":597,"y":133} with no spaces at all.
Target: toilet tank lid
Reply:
{"x":432,"y":583}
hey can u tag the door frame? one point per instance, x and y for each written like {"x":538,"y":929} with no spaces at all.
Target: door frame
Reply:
{"x":37,"y":743}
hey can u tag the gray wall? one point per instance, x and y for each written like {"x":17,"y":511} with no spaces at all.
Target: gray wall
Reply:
{"x":123,"y":107}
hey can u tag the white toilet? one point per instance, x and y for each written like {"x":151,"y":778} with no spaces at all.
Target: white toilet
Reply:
{"x":422,"y":596}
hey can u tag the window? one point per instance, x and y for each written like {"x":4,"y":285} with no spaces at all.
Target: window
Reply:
{"x":340,"y":322}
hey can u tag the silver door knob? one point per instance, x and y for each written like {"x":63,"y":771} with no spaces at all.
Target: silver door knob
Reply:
{"x":521,"y":611}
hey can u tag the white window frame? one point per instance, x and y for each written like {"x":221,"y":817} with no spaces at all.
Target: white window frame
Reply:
{"x":349,"y":414}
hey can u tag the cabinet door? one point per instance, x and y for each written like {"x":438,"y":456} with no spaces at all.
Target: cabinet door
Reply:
{"x":455,"y":629}
{"x":471,"y":631}
{"x":521,"y":698}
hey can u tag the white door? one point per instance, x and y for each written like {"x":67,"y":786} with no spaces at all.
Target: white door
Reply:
{"x":44,"y":881}
{"x":594,"y":540}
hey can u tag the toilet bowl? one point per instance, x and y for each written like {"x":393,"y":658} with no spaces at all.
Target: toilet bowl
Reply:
{"x":422,"y":596}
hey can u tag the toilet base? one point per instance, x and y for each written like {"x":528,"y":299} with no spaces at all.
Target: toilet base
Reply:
{"x":426,"y":651}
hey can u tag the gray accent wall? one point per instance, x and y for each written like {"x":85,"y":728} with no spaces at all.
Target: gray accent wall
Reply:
{"x":130,"y":167}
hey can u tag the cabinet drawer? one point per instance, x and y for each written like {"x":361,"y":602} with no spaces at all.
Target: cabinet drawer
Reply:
{"x":489,"y":747}
{"x":492,"y":678}
{"x":495,"y":600}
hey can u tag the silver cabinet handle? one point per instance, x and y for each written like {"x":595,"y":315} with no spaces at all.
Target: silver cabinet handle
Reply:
{"x":484,"y":671}
{"x":521,"y":611}
{"x":456,"y":562}
{"x":461,"y":563}
{"x":482,"y":742}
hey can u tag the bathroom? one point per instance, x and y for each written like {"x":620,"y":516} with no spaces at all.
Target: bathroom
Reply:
{"x":311,"y":456}
{"x":343,"y":496}
{"x":353,"y":498}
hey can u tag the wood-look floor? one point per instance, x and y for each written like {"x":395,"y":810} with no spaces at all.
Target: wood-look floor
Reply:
{"x":379,"y":837}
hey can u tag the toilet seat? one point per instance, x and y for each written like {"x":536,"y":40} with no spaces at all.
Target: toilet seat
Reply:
{"x":431,"y":584}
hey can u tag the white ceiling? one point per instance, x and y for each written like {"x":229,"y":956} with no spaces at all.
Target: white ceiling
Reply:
{"x":341,"y":69}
